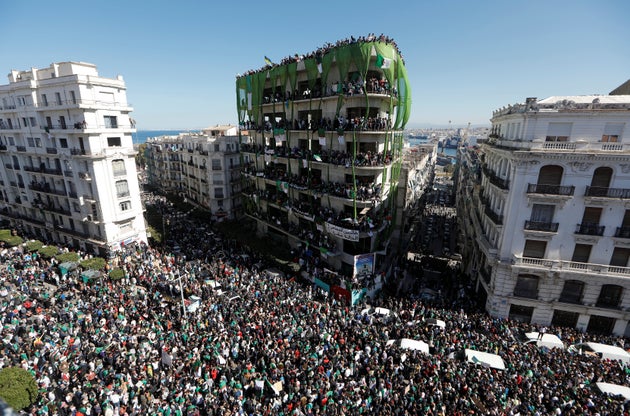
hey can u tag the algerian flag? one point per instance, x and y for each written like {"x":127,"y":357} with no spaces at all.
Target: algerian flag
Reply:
{"x":317,"y":157}
{"x":383,"y":62}
{"x":342,"y":141}
{"x":322,"y":141}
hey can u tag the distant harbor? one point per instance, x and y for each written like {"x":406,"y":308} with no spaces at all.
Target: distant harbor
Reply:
{"x":141,"y":136}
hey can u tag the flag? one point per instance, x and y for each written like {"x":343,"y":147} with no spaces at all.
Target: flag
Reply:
{"x":322,"y":141}
{"x":268,"y":61}
{"x":317,"y":157}
{"x":342,"y":141}
{"x":383,"y":62}
{"x":318,"y":58}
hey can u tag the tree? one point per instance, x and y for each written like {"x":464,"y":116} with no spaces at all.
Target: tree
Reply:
{"x":17,"y":387}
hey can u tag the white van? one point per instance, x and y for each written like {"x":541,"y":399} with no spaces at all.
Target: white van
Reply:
{"x":609,"y":352}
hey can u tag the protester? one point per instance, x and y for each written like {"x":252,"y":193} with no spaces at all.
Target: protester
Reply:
{"x":265,"y":344}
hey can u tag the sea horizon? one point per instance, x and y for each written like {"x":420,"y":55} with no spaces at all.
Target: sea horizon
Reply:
{"x":141,"y":136}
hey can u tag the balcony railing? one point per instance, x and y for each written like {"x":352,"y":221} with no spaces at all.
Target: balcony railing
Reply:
{"x":623,"y":232}
{"x":590,"y":229}
{"x":551,"y":227}
{"x":607,"y":192}
{"x":534,"y":188}
{"x":20,"y":148}
{"x":494,"y":179}
{"x":570,"y":266}
{"x":496,"y":218}
{"x":51,"y":150}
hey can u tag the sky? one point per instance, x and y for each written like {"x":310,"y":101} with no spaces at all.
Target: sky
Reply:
{"x":464,"y":59}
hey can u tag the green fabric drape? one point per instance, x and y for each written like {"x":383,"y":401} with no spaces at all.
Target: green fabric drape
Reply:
{"x":344,"y":58}
{"x":327,"y":61}
{"x":312,"y":73}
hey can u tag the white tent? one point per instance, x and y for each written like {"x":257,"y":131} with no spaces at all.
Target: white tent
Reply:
{"x":614,"y":389}
{"x":485,"y":358}
{"x":410,"y":344}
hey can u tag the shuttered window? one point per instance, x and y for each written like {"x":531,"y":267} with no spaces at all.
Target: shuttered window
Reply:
{"x":601,"y":177}
{"x":591,"y":215}
{"x":626,"y":219}
{"x":572,"y":291}
{"x":558,"y":132}
{"x":542,"y":213}
{"x":526,"y":286}
{"x":550,"y":175}
{"x":620,"y":257}
{"x":581,"y":253}
{"x":535,"y":249}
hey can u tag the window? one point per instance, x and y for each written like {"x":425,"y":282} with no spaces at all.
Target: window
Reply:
{"x":73,"y":97}
{"x":30,"y":141}
{"x":217,"y":147}
{"x":111,"y":122}
{"x":218,"y":192}
{"x":612,"y":132}
{"x":572,"y":291}
{"x":118,"y":166}
{"x":610,"y":296}
{"x":550,"y":175}
{"x":122,"y":189}
{"x":33,"y":121}
{"x":63,"y":143}
{"x":526,"y":286}
{"x":620,"y":257}
{"x":114,"y":142}
{"x":44,"y":100}
{"x":535,"y":249}
{"x":558,"y":132}
{"x":216,"y":164}
{"x":581,"y":253}
{"x":125,"y":205}
{"x":542,"y":213}
{"x":38,"y":142}
{"x":610,"y":138}
{"x":601,"y":178}
{"x":58,"y":98}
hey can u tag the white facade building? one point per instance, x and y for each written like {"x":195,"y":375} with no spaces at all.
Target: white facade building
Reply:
{"x":202,"y":167}
{"x":68,"y":165}
{"x":545,"y":213}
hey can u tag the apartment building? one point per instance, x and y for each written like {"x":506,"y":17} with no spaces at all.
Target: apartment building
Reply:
{"x":544,"y":209}
{"x":322,"y":146}
{"x":68,"y":170}
{"x":202,"y":167}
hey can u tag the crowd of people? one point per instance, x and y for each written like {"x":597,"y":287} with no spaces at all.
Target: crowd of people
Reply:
{"x":262,"y":343}
{"x":323,"y":50}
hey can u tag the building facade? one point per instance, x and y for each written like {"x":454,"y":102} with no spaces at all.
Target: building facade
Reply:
{"x":202,"y":167}
{"x":68,"y":165}
{"x":322,"y":146}
{"x":545,"y":213}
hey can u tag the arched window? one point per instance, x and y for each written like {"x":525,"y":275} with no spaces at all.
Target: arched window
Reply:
{"x":526,"y":286}
{"x":572,"y":291}
{"x":610,"y":296}
{"x":602,"y":177}
{"x":550,"y":175}
{"x":118,"y":167}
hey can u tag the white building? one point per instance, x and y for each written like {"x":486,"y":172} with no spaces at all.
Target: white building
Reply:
{"x":68,"y":169}
{"x":202,"y":167}
{"x":545,"y":213}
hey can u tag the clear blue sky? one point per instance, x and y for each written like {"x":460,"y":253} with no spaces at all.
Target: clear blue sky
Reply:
{"x":464,"y":58}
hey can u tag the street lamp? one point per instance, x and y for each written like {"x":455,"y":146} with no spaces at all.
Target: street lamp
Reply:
{"x":181,"y":292}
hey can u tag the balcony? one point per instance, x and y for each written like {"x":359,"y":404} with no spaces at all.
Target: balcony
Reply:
{"x":534,"y":188}
{"x":550,"y":227}
{"x":602,"y":192}
{"x":494,"y":179}
{"x":623,"y":232}
{"x":552,"y":265}
{"x":3,"y":147}
{"x":20,"y":148}
{"x":51,"y":150}
{"x":494,"y":217}
{"x":590,"y":229}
